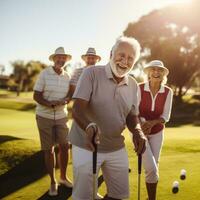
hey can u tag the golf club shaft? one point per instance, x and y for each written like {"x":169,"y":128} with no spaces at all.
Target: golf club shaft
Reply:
{"x":94,"y":160}
{"x":139,"y":173}
{"x":54,"y":123}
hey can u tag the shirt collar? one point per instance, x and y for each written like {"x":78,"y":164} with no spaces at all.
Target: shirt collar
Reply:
{"x":146,"y":88}
{"x":110,"y":75}
{"x":52,"y":71}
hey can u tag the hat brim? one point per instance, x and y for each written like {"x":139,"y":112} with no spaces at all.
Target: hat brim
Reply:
{"x":68,"y":57}
{"x":146,"y":69}
{"x":86,"y":55}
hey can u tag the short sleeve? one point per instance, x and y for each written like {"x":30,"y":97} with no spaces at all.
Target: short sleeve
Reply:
{"x":75,"y":76}
{"x":40,"y":83}
{"x":84,"y":85}
{"x":135,"y":106}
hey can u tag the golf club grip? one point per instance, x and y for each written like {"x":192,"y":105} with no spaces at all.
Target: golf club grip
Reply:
{"x":94,"y":160}
{"x":139,"y":163}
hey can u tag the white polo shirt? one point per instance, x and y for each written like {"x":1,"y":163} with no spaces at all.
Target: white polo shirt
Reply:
{"x":54,"y":87}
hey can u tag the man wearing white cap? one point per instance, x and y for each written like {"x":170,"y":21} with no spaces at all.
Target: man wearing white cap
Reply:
{"x":155,"y":102}
{"x":105,"y":102}
{"x":50,"y":93}
{"x":90,"y":58}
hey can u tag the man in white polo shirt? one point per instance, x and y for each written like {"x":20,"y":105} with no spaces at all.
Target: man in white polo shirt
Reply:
{"x":50,"y":93}
{"x":90,"y":58}
{"x":106,"y":102}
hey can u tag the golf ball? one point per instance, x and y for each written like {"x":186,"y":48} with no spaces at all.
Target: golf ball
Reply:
{"x":175,"y":187}
{"x":183,"y":174}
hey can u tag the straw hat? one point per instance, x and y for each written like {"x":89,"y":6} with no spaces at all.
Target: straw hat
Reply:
{"x":60,"y":51}
{"x":91,"y":52}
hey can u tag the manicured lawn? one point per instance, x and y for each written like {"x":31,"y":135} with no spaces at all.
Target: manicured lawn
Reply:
{"x":19,"y":140}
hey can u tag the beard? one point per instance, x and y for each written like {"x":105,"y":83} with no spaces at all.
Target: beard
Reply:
{"x":60,"y":64}
{"x":118,"y":69}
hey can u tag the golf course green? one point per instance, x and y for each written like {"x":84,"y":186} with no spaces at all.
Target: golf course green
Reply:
{"x":19,"y":141}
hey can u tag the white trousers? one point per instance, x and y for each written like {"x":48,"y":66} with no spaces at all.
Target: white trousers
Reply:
{"x":150,"y":157}
{"x":114,"y":167}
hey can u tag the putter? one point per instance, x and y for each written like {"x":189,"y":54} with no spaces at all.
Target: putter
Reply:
{"x":139,"y":173}
{"x":54,"y":125}
{"x":94,"y":162}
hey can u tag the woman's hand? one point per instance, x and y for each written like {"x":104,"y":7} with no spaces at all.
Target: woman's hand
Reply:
{"x":147,"y":126}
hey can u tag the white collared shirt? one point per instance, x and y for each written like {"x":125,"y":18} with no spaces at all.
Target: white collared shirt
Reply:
{"x":54,"y":87}
{"x":168,"y":103}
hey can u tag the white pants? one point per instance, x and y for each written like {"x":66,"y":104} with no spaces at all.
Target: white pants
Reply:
{"x":150,"y":158}
{"x":114,"y":167}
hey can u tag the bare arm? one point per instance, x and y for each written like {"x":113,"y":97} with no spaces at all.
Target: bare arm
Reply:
{"x":139,"y":139}
{"x":38,"y":97}
{"x":70,"y":93}
{"x":78,"y":113}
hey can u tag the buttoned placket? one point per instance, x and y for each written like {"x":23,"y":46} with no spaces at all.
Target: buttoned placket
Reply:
{"x":117,"y":88}
{"x":153,"y":100}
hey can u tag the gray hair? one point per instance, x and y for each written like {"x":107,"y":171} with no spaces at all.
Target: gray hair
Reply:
{"x":131,"y":41}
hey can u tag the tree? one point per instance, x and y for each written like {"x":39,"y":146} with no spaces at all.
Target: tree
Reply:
{"x":25,"y":74}
{"x":164,"y":35}
{"x":2,"y":69}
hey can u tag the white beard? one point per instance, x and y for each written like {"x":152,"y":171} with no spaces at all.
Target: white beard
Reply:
{"x":118,"y":72}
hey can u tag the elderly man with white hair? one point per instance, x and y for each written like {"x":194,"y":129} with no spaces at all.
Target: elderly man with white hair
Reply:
{"x":105,"y":103}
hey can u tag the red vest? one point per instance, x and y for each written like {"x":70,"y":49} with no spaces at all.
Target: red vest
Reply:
{"x":146,"y":104}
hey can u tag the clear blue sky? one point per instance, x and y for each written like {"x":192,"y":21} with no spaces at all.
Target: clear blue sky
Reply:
{"x":32,"y":29}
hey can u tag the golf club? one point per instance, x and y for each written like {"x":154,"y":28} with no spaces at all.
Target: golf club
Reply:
{"x":54,"y":125}
{"x":94,"y":160}
{"x":139,"y":173}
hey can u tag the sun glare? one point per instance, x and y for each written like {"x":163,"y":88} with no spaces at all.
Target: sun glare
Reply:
{"x":168,"y":2}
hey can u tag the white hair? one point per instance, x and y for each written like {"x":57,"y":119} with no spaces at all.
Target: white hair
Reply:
{"x":131,"y":41}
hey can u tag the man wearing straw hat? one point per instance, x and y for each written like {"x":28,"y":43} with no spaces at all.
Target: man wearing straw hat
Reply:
{"x":50,"y":93}
{"x":90,"y":58}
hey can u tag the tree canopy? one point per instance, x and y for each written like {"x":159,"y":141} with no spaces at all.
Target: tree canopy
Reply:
{"x":171,"y":34}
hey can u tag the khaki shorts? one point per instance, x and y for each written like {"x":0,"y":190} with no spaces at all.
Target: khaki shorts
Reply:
{"x":114,"y":166}
{"x":51,"y":134}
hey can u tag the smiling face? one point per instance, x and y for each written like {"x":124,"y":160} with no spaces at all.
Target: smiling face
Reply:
{"x":156,"y":74}
{"x":91,"y":60}
{"x":59,"y":60}
{"x":122,"y":60}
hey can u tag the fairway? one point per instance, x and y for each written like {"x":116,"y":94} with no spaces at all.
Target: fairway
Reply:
{"x":181,"y":149}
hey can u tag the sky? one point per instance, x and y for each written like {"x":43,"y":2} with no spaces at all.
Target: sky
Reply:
{"x":33,"y":29}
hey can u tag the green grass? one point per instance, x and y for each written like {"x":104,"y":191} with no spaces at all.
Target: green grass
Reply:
{"x":10,"y":94}
{"x":181,"y":150}
{"x":9,"y":100}
{"x":16,"y":105}
{"x":18,"y":124}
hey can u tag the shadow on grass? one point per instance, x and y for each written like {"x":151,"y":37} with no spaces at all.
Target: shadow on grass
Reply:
{"x":6,"y":138}
{"x":64,"y":193}
{"x":28,"y":171}
{"x":23,"y":174}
